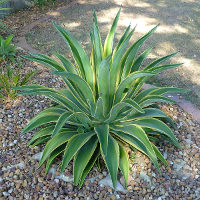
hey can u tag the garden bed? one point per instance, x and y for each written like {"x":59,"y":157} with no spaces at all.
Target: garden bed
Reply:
{"x":20,"y":178}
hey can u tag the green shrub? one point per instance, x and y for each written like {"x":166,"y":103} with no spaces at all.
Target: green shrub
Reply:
{"x":7,"y":49}
{"x":10,"y":78}
{"x":103,"y":108}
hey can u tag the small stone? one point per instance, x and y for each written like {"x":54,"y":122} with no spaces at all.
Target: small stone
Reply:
{"x":113,"y":197}
{"x":136,"y":188}
{"x":10,"y":191}
{"x":56,"y":180}
{"x":100,"y":176}
{"x":40,"y":179}
{"x":35,"y":180}
{"x":25,"y":183}
{"x":69,"y":187}
{"x":197,"y":176}
{"x":104,"y":173}
{"x":15,"y":141}
{"x":17,"y":172}
{"x":6,"y":194}
{"x":110,"y":190}
{"x":87,"y":182}
{"x":57,"y":173}
{"x":55,"y":194}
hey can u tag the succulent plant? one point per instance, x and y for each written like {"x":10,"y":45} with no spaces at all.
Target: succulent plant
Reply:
{"x":103,"y":107}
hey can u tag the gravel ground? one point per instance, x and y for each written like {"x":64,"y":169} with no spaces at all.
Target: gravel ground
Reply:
{"x":21,"y":179}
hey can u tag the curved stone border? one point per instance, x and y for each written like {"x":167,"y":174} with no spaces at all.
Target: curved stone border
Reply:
{"x":187,"y":106}
{"x":184,"y":104}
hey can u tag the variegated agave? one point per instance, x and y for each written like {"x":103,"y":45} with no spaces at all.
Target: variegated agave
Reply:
{"x":103,"y":108}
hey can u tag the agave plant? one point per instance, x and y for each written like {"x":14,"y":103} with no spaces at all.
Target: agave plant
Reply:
{"x":103,"y":108}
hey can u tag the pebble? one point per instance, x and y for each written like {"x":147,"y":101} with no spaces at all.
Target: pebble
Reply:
{"x":55,"y":194}
{"x":6,"y":194}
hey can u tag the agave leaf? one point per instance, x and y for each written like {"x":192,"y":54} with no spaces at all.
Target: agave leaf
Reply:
{"x":73,"y":147}
{"x":97,"y":48}
{"x":134,"y":105}
{"x":80,"y":83}
{"x":139,"y":83}
{"x":166,"y":90}
{"x":158,"y":69}
{"x":83,"y":118}
{"x":138,"y":62}
{"x":141,"y":140}
{"x":52,"y":157}
{"x":41,"y":140}
{"x":69,"y":67}
{"x":102,"y":132}
{"x":158,"y":126}
{"x":99,"y":112}
{"x":58,"y":140}
{"x":115,"y":69}
{"x":89,"y":166}
{"x":45,"y":60}
{"x":104,"y":83}
{"x":43,"y":132}
{"x":148,"y":113}
{"x":156,"y":62}
{"x":83,"y":157}
{"x":144,"y":93}
{"x":79,"y":54}
{"x":29,"y":87}
{"x":122,"y":39}
{"x":118,"y":107}
{"x":150,"y":99}
{"x":46,"y":116}
{"x":61,"y":121}
{"x":112,"y":159}
{"x":108,"y":45}
{"x":76,"y":100}
{"x":75,"y":94}
{"x":128,"y":81}
{"x":159,"y":155}
{"x":124,"y":163}
{"x":98,"y":32}
{"x":134,"y":49}
{"x":55,"y":96}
